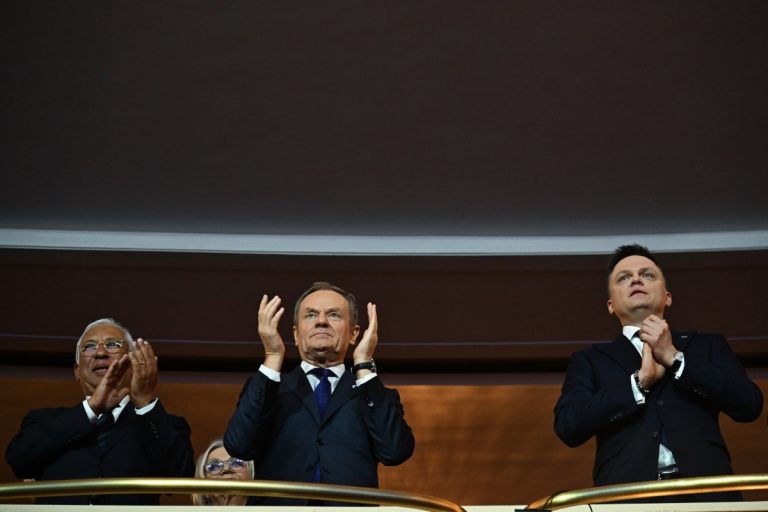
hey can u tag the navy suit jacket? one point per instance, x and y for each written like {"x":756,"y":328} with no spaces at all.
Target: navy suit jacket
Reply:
{"x":278,"y":426}
{"x":597,"y":400}
{"x":60,"y":443}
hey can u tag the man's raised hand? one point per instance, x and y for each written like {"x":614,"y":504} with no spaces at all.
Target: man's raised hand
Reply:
{"x":270,"y":313}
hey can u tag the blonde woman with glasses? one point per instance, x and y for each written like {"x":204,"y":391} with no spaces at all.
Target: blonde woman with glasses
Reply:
{"x":215,"y":462}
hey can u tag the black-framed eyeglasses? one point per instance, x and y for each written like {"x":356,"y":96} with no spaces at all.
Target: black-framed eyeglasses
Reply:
{"x":216,"y":466}
{"x":111,"y":345}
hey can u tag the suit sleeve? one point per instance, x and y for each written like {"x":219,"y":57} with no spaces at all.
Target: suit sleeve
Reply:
{"x":714,"y":374}
{"x":166,"y":442}
{"x":392,"y":439}
{"x":590,"y":402}
{"x":249,"y":428}
{"x":44,"y":436}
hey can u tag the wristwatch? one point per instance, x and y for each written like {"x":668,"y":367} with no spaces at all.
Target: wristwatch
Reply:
{"x":367,"y":365}
{"x":679,"y":358}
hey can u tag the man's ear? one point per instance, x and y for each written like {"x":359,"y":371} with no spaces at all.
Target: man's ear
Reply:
{"x":295,"y":336}
{"x":355,"y":334}
{"x":610,"y":306}
{"x":668,"y":299}
{"x":77,"y":372}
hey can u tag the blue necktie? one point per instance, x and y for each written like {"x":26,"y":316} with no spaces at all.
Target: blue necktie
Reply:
{"x":322,"y":397}
{"x":323,"y":389}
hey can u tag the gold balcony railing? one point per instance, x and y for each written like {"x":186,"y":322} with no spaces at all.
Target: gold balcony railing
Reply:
{"x":637,"y":490}
{"x":325,"y":492}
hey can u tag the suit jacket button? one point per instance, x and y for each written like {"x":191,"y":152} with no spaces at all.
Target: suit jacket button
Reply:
{"x":655,"y":434}
{"x":660,"y":402}
{"x":320,"y":442}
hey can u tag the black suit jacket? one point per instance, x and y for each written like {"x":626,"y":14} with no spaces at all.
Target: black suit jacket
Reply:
{"x":278,"y":426}
{"x":60,"y":443}
{"x":597,"y":400}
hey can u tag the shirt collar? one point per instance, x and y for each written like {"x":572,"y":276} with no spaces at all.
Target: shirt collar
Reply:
{"x":630,"y":331}
{"x":337,"y":370}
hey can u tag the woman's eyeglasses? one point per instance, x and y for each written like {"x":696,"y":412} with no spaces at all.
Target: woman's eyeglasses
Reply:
{"x":216,"y":466}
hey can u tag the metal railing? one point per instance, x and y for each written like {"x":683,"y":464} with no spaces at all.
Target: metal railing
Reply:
{"x":273,"y":489}
{"x":623,"y":492}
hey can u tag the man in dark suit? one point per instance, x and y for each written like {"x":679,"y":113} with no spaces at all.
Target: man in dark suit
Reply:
{"x":120,"y":430}
{"x":339,"y":432}
{"x":652,"y":397}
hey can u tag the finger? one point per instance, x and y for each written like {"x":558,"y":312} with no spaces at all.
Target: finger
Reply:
{"x":147,"y":348}
{"x":276,"y":319}
{"x":272,"y":303}
{"x":138,"y":361}
{"x":263,"y":303}
{"x":120,"y":367}
{"x":150,"y":359}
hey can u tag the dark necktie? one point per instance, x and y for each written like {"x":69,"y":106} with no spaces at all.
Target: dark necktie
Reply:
{"x":323,"y":389}
{"x":322,"y":397}
{"x":104,"y":429}
{"x":663,"y":439}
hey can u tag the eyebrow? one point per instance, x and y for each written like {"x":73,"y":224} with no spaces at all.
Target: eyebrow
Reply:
{"x":315,"y":310}
{"x":639,"y":271}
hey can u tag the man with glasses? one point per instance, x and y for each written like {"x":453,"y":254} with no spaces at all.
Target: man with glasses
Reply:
{"x":320,"y":422}
{"x":120,"y":429}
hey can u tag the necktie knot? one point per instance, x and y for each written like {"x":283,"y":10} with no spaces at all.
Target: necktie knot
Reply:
{"x":321,"y":373}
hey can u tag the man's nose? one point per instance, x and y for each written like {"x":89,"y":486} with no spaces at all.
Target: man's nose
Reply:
{"x":101,"y":350}
{"x":322,"y":319}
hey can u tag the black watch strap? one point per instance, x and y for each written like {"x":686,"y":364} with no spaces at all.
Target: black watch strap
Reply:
{"x":368,"y":365}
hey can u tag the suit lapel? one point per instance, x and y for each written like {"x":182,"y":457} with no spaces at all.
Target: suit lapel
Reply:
{"x":623,"y":352}
{"x":296,"y":381}
{"x":680,"y":341}
{"x":341,"y":395}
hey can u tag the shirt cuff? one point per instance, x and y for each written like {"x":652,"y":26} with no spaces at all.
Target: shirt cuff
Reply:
{"x":144,"y":410}
{"x":270,"y":373}
{"x":679,"y":372}
{"x":639,"y":396}
{"x":92,"y":417}
{"x":363,"y":380}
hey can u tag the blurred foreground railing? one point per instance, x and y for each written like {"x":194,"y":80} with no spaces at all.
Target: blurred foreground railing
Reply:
{"x":326,"y":492}
{"x":637,"y":490}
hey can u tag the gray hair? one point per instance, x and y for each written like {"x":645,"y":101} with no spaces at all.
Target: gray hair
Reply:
{"x":103,"y":321}
{"x":202,"y":459}
{"x":324,"y":285}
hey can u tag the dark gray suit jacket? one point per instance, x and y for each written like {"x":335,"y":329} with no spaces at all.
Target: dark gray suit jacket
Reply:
{"x":278,"y":426}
